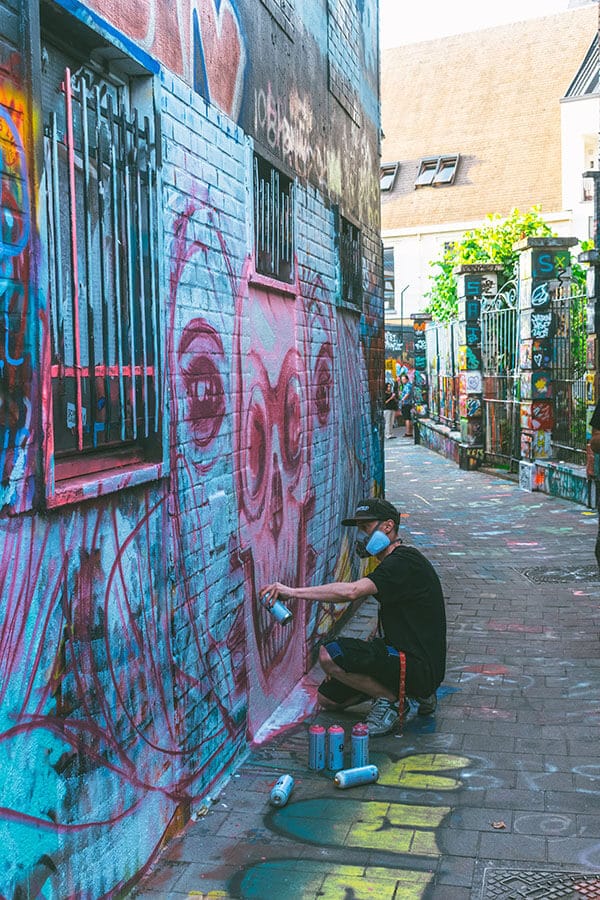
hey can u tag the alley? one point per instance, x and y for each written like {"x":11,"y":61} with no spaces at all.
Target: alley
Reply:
{"x":499,"y":791}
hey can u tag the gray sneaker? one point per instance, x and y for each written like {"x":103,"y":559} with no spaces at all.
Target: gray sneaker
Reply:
{"x":383,"y":716}
{"x":427,"y":705}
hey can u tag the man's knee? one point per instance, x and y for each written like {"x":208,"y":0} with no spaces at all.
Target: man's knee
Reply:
{"x":326,"y":662}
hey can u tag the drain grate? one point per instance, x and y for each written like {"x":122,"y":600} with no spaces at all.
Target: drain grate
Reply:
{"x":514,"y":884}
{"x":561,"y":574}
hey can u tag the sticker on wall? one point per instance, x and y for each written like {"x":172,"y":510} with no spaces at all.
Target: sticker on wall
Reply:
{"x":470,"y":383}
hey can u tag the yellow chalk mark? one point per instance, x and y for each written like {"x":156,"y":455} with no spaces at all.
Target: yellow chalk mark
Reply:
{"x":370,"y":835}
{"x":420,"y":771}
{"x":381,"y":884}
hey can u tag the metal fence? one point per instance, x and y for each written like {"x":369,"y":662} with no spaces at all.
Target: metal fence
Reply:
{"x":568,"y":373}
{"x":500,"y":361}
{"x":502,"y":376}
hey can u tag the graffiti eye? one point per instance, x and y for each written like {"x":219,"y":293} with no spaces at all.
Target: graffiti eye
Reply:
{"x":204,"y":387}
{"x":256,"y":443}
{"x":323,"y":384}
{"x":291,"y":424}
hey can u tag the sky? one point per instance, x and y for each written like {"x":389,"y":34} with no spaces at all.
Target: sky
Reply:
{"x":409,"y":21}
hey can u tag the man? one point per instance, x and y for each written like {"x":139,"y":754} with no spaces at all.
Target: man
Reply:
{"x":412,"y":620}
{"x":595,"y":448}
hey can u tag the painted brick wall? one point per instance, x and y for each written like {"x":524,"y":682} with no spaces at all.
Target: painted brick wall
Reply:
{"x":135,"y":661}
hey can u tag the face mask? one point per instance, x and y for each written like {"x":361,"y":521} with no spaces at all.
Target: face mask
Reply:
{"x":377,"y":542}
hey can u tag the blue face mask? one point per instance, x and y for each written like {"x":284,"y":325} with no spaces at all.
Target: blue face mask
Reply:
{"x":377,"y":542}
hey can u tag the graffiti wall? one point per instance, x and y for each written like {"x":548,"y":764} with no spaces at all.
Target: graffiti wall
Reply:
{"x":135,"y":660}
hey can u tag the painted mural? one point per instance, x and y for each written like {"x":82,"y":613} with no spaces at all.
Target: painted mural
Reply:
{"x":135,"y":660}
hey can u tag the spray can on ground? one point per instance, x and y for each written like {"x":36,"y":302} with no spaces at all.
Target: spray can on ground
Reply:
{"x":279,"y":610}
{"x":316,"y":747}
{"x":348,"y":778}
{"x":281,"y":791}
{"x":360,"y":745}
{"x":335,"y":747}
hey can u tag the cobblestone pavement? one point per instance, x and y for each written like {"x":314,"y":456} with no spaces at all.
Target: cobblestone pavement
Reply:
{"x":497,"y":795}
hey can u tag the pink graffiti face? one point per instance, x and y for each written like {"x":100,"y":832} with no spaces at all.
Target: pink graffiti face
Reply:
{"x":202,"y":367}
{"x":271,"y":458}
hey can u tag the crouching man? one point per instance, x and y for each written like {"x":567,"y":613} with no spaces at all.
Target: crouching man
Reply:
{"x":409,"y":656}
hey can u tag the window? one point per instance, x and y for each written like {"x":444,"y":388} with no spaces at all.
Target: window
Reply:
{"x":350,"y":250}
{"x":273,"y":221}
{"x":389,"y":300}
{"x":437,"y":170}
{"x":100,"y":171}
{"x":388,"y":176}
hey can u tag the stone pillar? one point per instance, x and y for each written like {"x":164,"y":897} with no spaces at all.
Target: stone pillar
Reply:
{"x":543,"y":263}
{"x":474,"y":283}
{"x":420,"y":321}
{"x":592,"y":258}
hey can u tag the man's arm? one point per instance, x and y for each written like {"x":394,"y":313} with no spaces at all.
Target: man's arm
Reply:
{"x":336,"y":592}
{"x":595,"y":440}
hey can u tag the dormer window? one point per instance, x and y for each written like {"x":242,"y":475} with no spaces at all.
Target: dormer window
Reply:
{"x":388,"y":174}
{"x":436,"y":170}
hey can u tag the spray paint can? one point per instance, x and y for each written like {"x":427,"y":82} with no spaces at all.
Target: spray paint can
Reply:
{"x":279,"y":610}
{"x":281,"y":791}
{"x":335,"y":747}
{"x":359,"y":755}
{"x":348,"y":778}
{"x":316,"y":747}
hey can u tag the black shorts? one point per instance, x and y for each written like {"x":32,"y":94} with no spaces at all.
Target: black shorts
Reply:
{"x":406,"y":410}
{"x":381,"y":662}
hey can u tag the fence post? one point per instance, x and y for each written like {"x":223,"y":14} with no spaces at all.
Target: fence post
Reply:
{"x":544,"y":262}
{"x":474,"y":282}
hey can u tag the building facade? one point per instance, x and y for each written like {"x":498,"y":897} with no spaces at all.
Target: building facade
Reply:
{"x":512,"y":122}
{"x":191,"y":357}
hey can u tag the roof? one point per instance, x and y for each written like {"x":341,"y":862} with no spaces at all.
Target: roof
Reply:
{"x":493,"y":96}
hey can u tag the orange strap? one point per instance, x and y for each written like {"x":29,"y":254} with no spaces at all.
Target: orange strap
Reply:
{"x":402,"y":689}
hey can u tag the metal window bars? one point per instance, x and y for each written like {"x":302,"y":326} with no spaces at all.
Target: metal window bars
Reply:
{"x":101,"y":186}
{"x":350,"y":262}
{"x":273,"y":221}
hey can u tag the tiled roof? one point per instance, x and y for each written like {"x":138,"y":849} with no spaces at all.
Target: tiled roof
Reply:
{"x":494,"y":97}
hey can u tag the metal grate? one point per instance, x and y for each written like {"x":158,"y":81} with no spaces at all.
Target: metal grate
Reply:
{"x":100,"y":176}
{"x":515,"y":884}
{"x":561,"y":574}
{"x":273,"y":221}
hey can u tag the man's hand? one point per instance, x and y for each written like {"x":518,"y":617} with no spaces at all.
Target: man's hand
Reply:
{"x":272,"y":592}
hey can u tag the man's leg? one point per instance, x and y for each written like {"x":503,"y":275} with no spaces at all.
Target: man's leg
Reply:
{"x":364,"y":684}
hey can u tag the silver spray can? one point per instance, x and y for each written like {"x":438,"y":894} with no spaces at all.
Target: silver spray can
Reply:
{"x":335,"y":747}
{"x":316,"y":747}
{"x":281,"y":791}
{"x":359,"y":754}
{"x":279,"y":611}
{"x":348,"y":778}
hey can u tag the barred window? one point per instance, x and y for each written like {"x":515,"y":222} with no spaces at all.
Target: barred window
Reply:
{"x":350,"y":251}
{"x":100,"y":171}
{"x":273,"y":221}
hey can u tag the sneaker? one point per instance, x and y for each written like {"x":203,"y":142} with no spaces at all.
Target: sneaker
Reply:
{"x":383,"y":716}
{"x":427,"y":705}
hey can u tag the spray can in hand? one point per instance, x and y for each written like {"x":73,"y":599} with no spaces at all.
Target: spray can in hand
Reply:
{"x":360,"y":745}
{"x":282,"y":790}
{"x":278,"y":610}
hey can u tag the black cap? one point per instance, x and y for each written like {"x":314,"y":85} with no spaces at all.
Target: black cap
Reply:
{"x":373,"y":509}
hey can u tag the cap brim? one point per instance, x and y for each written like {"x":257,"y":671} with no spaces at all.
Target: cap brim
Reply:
{"x":356,"y":521}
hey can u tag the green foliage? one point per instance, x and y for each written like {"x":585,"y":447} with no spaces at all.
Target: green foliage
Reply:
{"x":493,"y":243}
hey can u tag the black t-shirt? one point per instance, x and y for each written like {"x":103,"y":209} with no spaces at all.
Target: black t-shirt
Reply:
{"x":412,"y":613}
{"x":595,"y":420}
